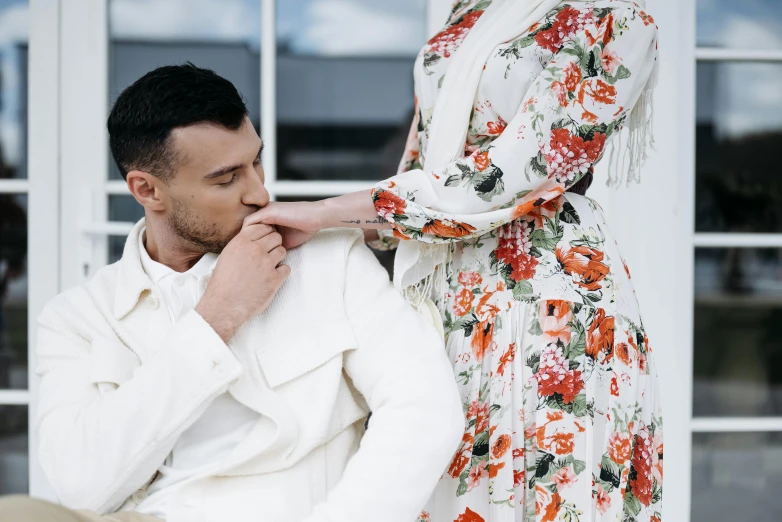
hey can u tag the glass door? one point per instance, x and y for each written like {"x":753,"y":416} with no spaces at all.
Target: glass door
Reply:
{"x":737,"y":383}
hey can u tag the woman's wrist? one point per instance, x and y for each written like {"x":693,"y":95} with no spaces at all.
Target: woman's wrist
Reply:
{"x":355,"y":210}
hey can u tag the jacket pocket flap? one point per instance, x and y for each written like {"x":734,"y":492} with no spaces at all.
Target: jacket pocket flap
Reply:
{"x":111,"y":362}
{"x":300,"y":353}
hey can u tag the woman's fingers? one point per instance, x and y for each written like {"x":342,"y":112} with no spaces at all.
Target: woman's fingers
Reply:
{"x":264,"y":215}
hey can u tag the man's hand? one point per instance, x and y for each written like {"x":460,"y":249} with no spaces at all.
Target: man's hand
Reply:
{"x":245,"y":280}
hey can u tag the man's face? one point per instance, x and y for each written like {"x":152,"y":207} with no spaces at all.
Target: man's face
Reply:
{"x":218,"y":182}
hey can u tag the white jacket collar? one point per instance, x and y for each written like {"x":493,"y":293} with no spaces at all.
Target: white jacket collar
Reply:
{"x":132,"y":280}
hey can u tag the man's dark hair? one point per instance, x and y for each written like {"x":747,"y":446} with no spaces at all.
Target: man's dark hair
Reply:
{"x":168,"y":97}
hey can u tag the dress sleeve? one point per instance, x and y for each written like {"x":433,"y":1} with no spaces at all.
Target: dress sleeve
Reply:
{"x":387,"y":238}
{"x":578,"y":101}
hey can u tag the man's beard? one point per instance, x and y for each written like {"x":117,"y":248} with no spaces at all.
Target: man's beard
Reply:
{"x":188,"y":226}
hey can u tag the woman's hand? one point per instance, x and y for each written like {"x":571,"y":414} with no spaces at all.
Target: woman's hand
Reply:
{"x":296,"y":221}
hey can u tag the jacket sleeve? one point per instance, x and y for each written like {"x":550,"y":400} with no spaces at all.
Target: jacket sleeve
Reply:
{"x":401,"y":369}
{"x":100,"y":442}
{"x":574,"y":105}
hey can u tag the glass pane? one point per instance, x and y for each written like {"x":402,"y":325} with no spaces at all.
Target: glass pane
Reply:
{"x":738,"y":342}
{"x":739,"y":125}
{"x":13,"y":291}
{"x":736,"y":477}
{"x":13,"y":88}
{"x":13,"y":449}
{"x":125,"y":209}
{"x":745,"y":24}
{"x":345,"y":86}
{"x":224,"y":37}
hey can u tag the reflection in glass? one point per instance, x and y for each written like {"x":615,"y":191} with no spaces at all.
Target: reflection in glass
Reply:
{"x":13,"y":291}
{"x":745,"y":24}
{"x":738,"y":342}
{"x":739,"y":129}
{"x":222,"y":36}
{"x":13,"y":450}
{"x":345,"y":87}
{"x":736,"y":477}
{"x":14,"y":28}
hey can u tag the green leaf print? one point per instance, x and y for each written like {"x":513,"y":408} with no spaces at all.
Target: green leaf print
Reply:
{"x":431,"y":59}
{"x":533,"y":362}
{"x":631,"y":503}
{"x":462,"y":488}
{"x":580,"y":405}
{"x":521,"y":290}
{"x":610,"y":471}
{"x":569,"y":215}
{"x":488,"y":183}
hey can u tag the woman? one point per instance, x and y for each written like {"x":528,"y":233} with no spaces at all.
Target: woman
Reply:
{"x":541,"y":322}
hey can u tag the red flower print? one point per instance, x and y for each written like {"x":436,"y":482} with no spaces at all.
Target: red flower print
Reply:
{"x":477,"y":472}
{"x":470,"y":279}
{"x":481,"y":337}
{"x":657,"y":456}
{"x":518,"y":453}
{"x":495,"y":468}
{"x":647,"y":18}
{"x":600,"y":337}
{"x":603,"y":500}
{"x":449,"y":39}
{"x":584,"y":264}
{"x":481,"y":159}
{"x":458,"y":465}
{"x":480,"y":411}
{"x":624,"y":354}
{"x":500,"y":446}
{"x":641,"y":484}
{"x":469,"y":516}
{"x":518,"y":477}
{"x":568,"y":155}
{"x":446,"y":228}
{"x":619,"y":447}
{"x":572,"y":77}
{"x":506,"y":358}
{"x":566,"y":24}
{"x":562,"y":443}
{"x":564,"y":477}
{"x":546,"y":503}
{"x":614,"y":387}
{"x":513,"y":249}
{"x":610,"y":60}
{"x":388,"y":204}
{"x":463,"y":303}
{"x":555,"y":317}
{"x":554,"y":375}
{"x":603,"y":92}
{"x":497,"y":128}
{"x":560,"y":91}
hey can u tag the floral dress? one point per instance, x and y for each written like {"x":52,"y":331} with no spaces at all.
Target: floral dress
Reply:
{"x":557,"y":376}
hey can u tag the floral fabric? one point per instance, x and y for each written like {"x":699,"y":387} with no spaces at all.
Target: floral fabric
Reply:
{"x":557,"y":375}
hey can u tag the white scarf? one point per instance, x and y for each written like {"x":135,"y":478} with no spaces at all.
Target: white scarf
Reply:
{"x":502,"y":21}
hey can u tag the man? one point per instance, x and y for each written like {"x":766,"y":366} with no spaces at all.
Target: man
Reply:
{"x":184,"y":386}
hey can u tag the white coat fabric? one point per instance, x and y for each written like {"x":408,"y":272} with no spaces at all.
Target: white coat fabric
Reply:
{"x":120,"y":383}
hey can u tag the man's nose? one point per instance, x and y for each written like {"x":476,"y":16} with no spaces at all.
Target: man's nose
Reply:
{"x":256,"y":193}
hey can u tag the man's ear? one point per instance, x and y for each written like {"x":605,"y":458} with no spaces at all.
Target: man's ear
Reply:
{"x":146,"y":188}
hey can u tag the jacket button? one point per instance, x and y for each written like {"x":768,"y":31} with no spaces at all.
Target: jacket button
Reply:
{"x":153,"y":301}
{"x":139,"y":495}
